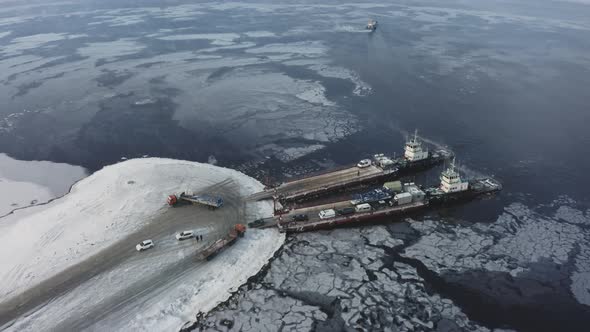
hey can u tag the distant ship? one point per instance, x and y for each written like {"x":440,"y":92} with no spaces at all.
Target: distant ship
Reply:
{"x":372,"y":25}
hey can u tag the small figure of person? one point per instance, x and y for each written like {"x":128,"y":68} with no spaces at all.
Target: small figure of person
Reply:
{"x":201,"y":236}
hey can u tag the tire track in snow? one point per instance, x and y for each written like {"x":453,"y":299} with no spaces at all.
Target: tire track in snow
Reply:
{"x":166,"y":223}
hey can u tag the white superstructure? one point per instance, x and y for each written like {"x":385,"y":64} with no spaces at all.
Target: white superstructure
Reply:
{"x":413,"y":150}
{"x":450,"y":180}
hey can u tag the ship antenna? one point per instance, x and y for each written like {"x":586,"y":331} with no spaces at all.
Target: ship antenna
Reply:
{"x":416,"y":135}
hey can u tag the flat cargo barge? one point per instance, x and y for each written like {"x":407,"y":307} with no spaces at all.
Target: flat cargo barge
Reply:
{"x":411,"y":198}
{"x":375,"y":175}
{"x":320,"y":183}
{"x":380,"y":168}
{"x":296,"y":227}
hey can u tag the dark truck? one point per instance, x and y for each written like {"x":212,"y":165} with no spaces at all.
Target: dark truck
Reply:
{"x":256,"y":223}
{"x":300,"y":217}
{"x":345,"y":211}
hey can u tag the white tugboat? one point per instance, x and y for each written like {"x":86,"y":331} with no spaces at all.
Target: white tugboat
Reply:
{"x":452,"y":187}
{"x":372,"y":25}
{"x":416,"y":156}
{"x":450,"y":180}
{"x":413,"y":150}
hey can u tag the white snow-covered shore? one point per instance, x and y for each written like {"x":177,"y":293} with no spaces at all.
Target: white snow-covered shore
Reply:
{"x":101,"y":209}
{"x":167,"y":307}
{"x":208,"y":287}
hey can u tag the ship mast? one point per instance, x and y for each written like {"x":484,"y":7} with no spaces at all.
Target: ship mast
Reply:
{"x":413,"y":149}
{"x":450,"y":180}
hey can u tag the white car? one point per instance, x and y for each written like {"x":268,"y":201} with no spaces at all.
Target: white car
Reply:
{"x":184,"y":235}
{"x":327,"y":214}
{"x":144,"y":245}
{"x":364,"y":163}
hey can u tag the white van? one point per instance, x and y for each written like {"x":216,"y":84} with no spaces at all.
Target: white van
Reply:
{"x":327,"y":214}
{"x":365,"y":207}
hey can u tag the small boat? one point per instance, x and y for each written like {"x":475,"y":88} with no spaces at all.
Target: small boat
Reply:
{"x":372,"y":25}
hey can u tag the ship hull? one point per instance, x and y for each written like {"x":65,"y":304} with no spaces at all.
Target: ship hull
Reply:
{"x":353,"y":220}
{"x":477,"y":188}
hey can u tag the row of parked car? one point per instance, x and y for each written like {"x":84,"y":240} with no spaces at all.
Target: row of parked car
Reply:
{"x":260,"y":222}
{"x":324,"y":214}
{"x":148,"y":244}
{"x":331,"y":213}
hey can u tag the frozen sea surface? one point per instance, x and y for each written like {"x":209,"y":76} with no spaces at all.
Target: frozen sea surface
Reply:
{"x":231,"y":86}
{"x":303,"y":85}
{"x":426,"y":275}
{"x":335,"y":281}
{"x":25,"y":183}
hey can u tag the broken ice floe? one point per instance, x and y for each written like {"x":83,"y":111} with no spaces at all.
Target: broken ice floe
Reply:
{"x":334,"y":279}
{"x":361,"y":88}
{"x":292,"y":153}
{"x":518,"y":239}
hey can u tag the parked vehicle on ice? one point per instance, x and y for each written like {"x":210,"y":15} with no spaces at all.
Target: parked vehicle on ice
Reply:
{"x":144,"y":245}
{"x":185,"y":235}
{"x":364,"y":163}
{"x":300,"y":217}
{"x":326,"y":214}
